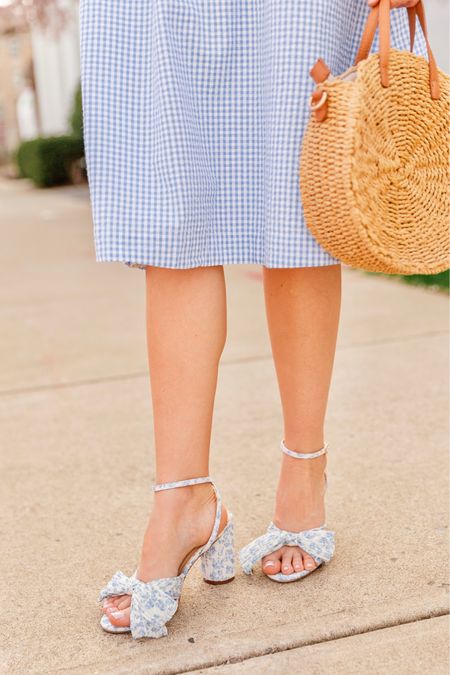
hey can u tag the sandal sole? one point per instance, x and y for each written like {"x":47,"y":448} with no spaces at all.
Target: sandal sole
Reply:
{"x":218,"y":583}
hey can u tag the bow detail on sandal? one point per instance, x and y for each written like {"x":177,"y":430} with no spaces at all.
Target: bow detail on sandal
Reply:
{"x":317,"y":542}
{"x":153,"y":604}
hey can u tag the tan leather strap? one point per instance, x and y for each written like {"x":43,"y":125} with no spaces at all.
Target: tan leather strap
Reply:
{"x":412,"y":26}
{"x":368,"y":35}
{"x":371,"y":28}
{"x":319,"y":98}
{"x":380,"y":16}
{"x":384,"y":24}
{"x":320,"y":71}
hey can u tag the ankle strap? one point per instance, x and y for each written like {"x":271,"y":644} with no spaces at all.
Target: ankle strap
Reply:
{"x":217,"y":519}
{"x":304,"y":455}
{"x":181,"y":483}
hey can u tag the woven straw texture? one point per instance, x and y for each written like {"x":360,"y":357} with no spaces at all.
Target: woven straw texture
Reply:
{"x":374,"y":176}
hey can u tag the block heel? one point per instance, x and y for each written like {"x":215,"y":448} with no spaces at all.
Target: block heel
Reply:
{"x":218,"y":562}
{"x":154,"y":603}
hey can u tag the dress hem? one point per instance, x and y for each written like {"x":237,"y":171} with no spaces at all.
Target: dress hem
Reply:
{"x":213,"y":263}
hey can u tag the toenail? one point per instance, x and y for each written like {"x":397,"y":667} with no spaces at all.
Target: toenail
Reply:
{"x":269,"y":564}
{"x":117,"y":615}
{"x":309,"y":564}
{"x":286,"y":567}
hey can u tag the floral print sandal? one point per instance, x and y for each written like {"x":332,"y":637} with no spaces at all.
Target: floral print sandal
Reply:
{"x":317,"y":542}
{"x":154,"y":603}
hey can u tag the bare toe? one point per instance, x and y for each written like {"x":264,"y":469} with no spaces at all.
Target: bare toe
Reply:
{"x":286,"y":561}
{"x":271,"y":564}
{"x":124,"y":602}
{"x":308,"y":562}
{"x":297,"y":560}
{"x":119,"y":618}
{"x":112,"y":600}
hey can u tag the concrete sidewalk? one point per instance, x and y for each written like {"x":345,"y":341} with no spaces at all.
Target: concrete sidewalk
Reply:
{"x":76,"y":464}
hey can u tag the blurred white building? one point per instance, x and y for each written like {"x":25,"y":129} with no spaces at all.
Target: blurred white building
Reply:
{"x":39,"y":74}
{"x":56,"y":60}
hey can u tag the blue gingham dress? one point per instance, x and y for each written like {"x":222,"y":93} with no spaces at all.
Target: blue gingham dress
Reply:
{"x":194,"y":111}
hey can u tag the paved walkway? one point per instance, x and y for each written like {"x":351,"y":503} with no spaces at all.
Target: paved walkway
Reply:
{"x":76,"y":467}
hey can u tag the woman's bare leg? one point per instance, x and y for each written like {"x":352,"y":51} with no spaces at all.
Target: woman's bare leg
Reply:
{"x":186,"y":332}
{"x":303,"y":307}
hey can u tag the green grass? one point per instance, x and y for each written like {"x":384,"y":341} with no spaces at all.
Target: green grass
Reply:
{"x":439,"y":282}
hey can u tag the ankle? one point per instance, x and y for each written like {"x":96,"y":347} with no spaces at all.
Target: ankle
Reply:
{"x":296,"y":471}
{"x":306,"y":442}
{"x":180,"y":500}
{"x":302,"y":507}
{"x":300,"y":494}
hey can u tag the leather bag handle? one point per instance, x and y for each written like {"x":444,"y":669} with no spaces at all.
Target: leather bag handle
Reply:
{"x":371,"y":28}
{"x":380,"y":16}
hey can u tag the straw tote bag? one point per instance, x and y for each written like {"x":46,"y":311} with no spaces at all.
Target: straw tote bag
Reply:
{"x":374,"y":165}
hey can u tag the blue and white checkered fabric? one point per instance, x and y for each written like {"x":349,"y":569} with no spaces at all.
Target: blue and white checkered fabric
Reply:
{"x":194,"y":111}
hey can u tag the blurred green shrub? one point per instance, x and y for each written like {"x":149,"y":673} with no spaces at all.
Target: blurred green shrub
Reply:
{"x":76,"y":118}
{"x":47,"y":160}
